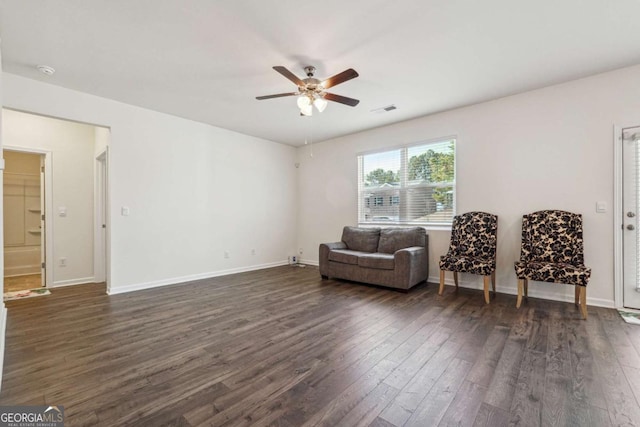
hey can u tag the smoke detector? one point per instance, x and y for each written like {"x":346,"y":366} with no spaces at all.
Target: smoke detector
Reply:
{"x":45,"y":69}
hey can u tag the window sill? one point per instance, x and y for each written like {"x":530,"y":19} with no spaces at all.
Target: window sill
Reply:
{"x":428,"y":227}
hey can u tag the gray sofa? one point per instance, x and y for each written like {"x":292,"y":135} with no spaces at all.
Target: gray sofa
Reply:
{"x":392,"y":257}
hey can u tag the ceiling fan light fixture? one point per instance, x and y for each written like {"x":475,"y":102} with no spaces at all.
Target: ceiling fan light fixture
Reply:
{"x":320,"y":104}
{"x":303,"y":101}
{"x":307,"y":110}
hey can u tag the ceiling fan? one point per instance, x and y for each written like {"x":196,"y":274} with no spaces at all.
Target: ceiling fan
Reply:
{"x":311,"y":91}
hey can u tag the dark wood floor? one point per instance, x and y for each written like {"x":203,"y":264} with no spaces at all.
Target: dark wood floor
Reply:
{"x":282,"y":347}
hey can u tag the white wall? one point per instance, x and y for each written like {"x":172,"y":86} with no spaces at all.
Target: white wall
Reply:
{"x":193,"y":190}
{"x":545,"y":149}
{"x":549,"y":148}
{"x":101,"y":137}
{"x":71,"y":146}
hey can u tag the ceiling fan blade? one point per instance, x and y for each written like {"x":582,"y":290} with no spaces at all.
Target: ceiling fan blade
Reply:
{"x":340,"y":78}
{"x":341,"y":99}
{"x":288,"y":74}
{"x":278,"y":95}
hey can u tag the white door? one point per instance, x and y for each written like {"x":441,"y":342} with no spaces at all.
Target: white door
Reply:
{"x":630,"y":211}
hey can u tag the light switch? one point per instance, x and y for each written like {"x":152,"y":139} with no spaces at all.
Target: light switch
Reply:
{"x":62,"y":211}
{"x":601,"y":207}
{"x":125,"y":211}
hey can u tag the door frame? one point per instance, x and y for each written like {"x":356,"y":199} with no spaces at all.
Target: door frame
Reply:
{"x":618,"y":213}
{"x":48,"y":205}
{"x":101,"y":200}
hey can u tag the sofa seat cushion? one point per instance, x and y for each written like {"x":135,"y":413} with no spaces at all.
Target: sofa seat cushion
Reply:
{"x":553,"y":272}
{"x":377,"y":260}
{"x":345,"y":256}
{"x":394,"y":239}
{"x":463,"y":264}
{"x":361,"y":239}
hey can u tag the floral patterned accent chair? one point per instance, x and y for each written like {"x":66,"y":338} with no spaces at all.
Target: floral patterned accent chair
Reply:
{"x":552,"y":251}
{"x":474,"y":237}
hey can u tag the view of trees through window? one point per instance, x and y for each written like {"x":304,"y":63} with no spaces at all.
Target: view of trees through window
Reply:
{"x":416,"y":184}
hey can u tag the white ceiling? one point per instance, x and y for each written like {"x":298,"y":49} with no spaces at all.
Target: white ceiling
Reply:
{"x":207,"y":60}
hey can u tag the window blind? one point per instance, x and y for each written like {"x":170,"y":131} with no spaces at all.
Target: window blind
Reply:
{"x":414,"y":184}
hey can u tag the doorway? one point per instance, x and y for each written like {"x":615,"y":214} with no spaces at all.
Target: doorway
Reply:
{"x":630,"y":138}
{"x":73,"y":181}
{"x":24,"y":224}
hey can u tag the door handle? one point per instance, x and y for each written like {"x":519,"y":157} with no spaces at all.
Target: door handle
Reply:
{"x":630,"y":227}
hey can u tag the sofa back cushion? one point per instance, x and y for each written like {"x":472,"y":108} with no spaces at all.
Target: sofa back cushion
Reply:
{"x":361,"y":239}
{"x":394,"y":239}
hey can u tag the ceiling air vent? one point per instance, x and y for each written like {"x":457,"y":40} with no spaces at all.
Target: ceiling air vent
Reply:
{"x":384,"y":109}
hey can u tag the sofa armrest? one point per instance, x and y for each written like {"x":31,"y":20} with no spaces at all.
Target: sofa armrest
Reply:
{"x":323,"y":258}
{"x":334,"y":245}
{"x":411,"y":266}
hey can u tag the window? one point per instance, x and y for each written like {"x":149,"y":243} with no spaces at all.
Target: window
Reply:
{"x":416,"y":181}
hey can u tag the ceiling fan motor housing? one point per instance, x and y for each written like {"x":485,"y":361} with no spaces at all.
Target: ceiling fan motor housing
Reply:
{"x":311,"y":84}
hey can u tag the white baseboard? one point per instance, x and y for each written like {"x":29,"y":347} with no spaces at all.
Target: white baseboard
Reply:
{"x":533,"y":292}
{"x":71,"y":282}
{"x":3,"y":330}
{"x":512,"y":290}
{"x":190,"y":278}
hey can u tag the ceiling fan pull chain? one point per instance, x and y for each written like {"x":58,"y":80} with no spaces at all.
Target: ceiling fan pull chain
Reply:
{"x":310,"y":118}
{"x":311,"y":146}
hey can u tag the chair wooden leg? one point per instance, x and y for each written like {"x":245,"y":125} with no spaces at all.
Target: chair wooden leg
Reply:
{"x":441,"y":282}
{"x":583,"y":301}
{"x":455,"y":279}
{"x":486,"y":289}
{"x":526,"y":289}
{"x":493,"y":282}
{"x":520,"y":290}
{"x":577,"y":295}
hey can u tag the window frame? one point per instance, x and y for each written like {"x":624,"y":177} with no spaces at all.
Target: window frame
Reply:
{"x":430,"y":225}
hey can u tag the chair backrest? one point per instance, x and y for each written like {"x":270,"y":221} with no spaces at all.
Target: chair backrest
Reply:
{"x":552,"y":236}
{"x":474,"y":234}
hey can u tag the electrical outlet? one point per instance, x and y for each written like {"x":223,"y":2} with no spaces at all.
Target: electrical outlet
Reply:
{"x":62,"y":262}
{"x":226,"y":254}
{"x":300,"y":251}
